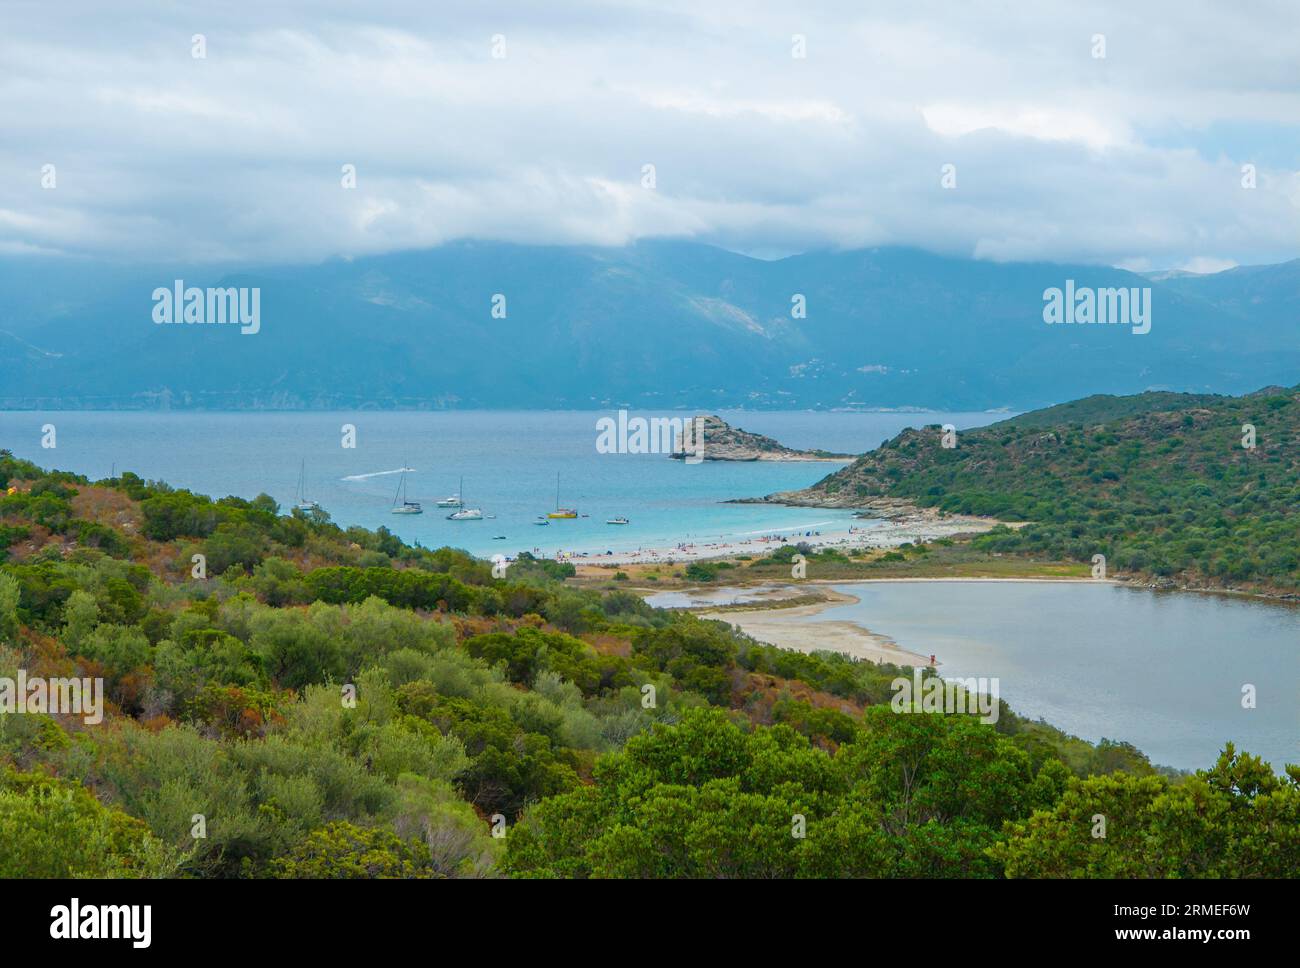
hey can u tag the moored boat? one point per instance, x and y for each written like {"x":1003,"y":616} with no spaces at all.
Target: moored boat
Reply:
{"x":561,"y":512}
{"x":465,"y":514}
{"x":302,"y":503}
{"x":405,"y":507}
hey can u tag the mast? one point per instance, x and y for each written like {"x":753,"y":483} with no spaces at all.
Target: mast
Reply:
{"x":401,"y":486}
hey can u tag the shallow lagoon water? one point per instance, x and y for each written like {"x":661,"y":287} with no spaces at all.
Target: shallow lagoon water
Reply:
{"x":1161,"y":670}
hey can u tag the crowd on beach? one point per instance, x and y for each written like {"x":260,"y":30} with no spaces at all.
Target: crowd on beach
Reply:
{"x":877,"y":534}
{"x":697,"y":550}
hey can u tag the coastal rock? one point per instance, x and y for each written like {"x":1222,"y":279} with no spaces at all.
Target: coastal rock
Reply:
{"x":725,"y":442}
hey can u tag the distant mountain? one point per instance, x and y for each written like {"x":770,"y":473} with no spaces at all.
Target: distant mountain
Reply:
{"x":660,"y":325}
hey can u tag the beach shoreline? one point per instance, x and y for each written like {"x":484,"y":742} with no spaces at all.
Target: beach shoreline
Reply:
{"x":789,"y":628}
{"x":921,"y":525}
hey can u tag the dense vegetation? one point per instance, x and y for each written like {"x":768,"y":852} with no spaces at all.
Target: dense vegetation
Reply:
{"x":1159,"y":483}
{"x":327,"y":702}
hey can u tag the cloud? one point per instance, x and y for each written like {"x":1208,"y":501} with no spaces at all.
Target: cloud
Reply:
{"x":1206,"y":265}
{"x":1045,"y":124}
{"x":1134,"y":158}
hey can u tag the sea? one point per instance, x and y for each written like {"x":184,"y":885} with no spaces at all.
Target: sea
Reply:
{"x":508,"y":462}
{"x":1165,"y":671}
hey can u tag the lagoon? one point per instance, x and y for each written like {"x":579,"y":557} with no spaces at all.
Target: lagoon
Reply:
{"x":1162,"y":670}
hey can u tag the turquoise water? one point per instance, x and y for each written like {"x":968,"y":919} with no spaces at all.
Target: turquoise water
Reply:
{"x":509,"y":461}
{"x":1161,"y":670}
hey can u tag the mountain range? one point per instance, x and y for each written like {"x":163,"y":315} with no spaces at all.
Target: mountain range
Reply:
{"x":655,"y":325}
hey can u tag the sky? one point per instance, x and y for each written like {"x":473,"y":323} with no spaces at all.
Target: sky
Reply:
{"x":535,"y":122}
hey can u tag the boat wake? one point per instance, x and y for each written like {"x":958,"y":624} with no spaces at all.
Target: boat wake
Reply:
{"x":365,"y":477}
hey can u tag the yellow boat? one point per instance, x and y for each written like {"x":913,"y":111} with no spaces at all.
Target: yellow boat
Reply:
{"x":560,"y":512}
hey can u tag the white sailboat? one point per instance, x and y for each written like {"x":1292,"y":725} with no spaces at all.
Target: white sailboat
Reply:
{"x":406,"y":507}
{"x":302,"y":504}
{"x":465,"y":514}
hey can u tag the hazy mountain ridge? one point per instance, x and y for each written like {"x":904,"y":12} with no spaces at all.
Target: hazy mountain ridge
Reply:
{"x":662,"y":325}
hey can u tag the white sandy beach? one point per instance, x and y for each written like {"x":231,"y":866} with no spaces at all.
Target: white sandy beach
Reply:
{"x":789,"y":628}
{"x":920,"y":525}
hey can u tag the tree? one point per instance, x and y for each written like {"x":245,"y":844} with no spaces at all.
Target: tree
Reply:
{"x":1235,"y":820}
{"x":52,"y":828}
{"x":344,"y":850}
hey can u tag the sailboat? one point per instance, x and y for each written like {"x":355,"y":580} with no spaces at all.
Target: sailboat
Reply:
{"x":406,"y":507}
{"x":560,"y":512}
{"x":302,"y":503}
{"x":465,"y":514}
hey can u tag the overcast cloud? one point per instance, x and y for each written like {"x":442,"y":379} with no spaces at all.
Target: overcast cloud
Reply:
{"x":1133,"y":159}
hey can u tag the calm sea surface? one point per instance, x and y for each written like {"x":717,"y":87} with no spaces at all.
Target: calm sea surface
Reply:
{"x":509,"y":462}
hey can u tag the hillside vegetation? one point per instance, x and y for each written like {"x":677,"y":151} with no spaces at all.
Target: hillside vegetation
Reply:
{"x":1161,"y":484}
{"x":328,"y":702}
